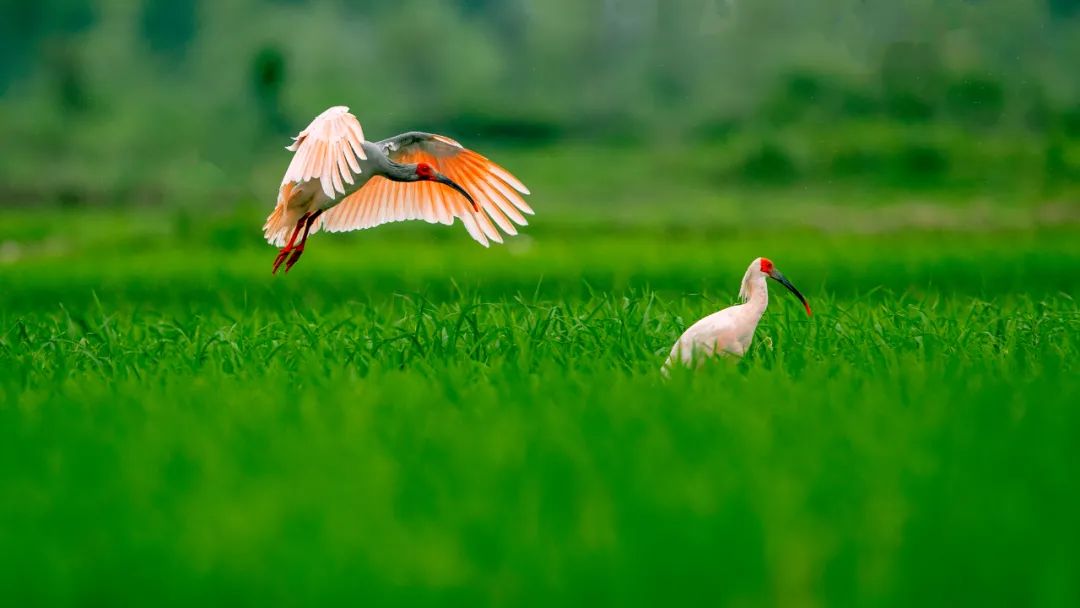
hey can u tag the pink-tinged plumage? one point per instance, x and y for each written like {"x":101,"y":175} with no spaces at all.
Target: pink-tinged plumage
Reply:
{"x":731,"y":330}
{"x":338,"y":181}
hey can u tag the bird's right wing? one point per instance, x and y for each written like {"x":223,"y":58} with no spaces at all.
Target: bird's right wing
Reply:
{"x":327,"y":150}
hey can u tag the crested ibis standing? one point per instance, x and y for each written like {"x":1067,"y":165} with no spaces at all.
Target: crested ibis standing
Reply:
{"x":731,"y":330}
{"x":338,"y":181}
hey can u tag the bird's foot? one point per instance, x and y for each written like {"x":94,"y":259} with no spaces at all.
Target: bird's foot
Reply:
{"x":293,"y":258}
{"x":280,"y":259}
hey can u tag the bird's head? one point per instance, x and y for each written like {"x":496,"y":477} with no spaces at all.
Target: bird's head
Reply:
{"x":425,"y":172}
{"x":765,"y":267}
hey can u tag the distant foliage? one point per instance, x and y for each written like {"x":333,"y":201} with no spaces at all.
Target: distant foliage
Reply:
{"x":911,"y":77}
{"x":976,"y":100}
{"x":169,"y":27}
{"x":769,"y":164}
{"x":190,"y":93}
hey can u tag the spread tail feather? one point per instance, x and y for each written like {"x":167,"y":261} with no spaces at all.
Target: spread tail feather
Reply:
{"x":283,"y":218}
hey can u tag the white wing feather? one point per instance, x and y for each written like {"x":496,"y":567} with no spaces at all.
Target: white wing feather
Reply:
{"x":327,"y":150}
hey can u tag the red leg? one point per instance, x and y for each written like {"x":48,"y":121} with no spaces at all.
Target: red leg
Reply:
{"x":303,"y":241}
{"x":284,"y":253}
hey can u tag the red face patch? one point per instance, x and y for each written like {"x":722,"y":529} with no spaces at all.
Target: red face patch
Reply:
{"x":424,"y":171}
{"x":766,"y":265}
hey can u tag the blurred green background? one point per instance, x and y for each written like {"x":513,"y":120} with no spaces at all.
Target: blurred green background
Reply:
{"x":408,"y":418}
{"x":189,"y":102}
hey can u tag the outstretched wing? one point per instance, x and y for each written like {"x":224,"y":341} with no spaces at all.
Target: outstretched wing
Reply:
{"x":497,"y":193}
{"x":327,"y":150}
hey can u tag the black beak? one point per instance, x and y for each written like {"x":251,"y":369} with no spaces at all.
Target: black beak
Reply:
{"x":442,"y":179}
{"x":780,"y":278}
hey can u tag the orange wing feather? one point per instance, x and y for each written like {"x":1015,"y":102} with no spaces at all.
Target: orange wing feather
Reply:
{"x":497,"y":193}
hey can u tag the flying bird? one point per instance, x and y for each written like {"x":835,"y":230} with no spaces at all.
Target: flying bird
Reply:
{"x":338,"y":181}
{"x":731,"y":329}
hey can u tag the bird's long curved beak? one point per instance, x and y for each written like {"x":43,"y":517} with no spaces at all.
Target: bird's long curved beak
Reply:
{"x":442,"y":179}
{"x":780,"y":278}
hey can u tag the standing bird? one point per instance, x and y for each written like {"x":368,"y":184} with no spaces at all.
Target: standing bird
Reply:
{"x":732,"y":329}
{"x":338,"y":181}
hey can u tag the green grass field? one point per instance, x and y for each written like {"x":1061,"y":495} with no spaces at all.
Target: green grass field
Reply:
{"x":410,"y":418}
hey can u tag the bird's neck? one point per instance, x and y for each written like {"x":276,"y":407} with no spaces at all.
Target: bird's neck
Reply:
{"x":400,"y":172}
{"x":757,"y":296}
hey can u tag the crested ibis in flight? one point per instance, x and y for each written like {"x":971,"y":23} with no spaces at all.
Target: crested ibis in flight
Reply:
{"x":731,"y":329}
{"x":338,"y":181}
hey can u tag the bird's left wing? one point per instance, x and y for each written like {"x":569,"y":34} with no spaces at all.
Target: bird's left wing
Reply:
{"x":497,"y":193}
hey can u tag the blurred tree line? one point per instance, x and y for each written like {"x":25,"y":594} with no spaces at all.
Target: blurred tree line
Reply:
{"x":183,"y":99}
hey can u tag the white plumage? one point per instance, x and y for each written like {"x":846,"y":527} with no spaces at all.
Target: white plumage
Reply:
{"x":731,"y":330}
